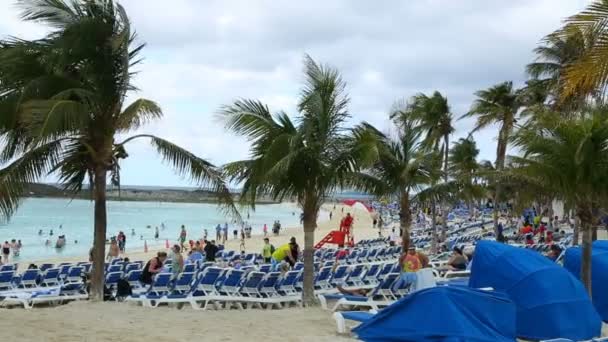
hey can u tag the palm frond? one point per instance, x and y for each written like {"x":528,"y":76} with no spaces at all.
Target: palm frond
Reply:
{"x":29,"y":168}
{"x":137,"y":114}
{"x":201,"y":172}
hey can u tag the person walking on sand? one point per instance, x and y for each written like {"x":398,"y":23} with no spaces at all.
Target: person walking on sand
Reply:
{"x":265,"y":229}
{"x":182,"y":236}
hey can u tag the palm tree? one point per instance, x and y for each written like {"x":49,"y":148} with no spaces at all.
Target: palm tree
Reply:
{"x":63,"y":109}
{"x":547,"y":72}
{"x":400,"y":167}
{"x":464,"y":168}
{"x":497,"y":105}
{"x":587,"y":73}
{"x":569,"y":158}
{"x":432,"y":115}
{"x":306,"y":159}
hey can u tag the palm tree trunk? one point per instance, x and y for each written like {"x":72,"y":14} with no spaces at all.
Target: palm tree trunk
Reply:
{"x":99,"y":242}
{"x":434,"y":227}
{"x":587,"y":226}
{"x":501,"y":151}
{"x":405,"y":221}
{"x":310,"y":223}
{"x":446,"y":150}
{"x":575,"y":233}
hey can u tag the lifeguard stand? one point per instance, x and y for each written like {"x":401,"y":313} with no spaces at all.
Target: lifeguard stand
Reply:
{"x":340,"y":237}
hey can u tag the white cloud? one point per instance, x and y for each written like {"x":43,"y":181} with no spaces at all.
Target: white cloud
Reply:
{"x":203,"y":54}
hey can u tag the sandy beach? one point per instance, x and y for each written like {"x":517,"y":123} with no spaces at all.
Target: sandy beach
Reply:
{"x":108,"y":321}
{"x":92,"y":322}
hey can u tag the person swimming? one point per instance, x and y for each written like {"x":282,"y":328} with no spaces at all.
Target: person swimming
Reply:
{"x":40,"y":232}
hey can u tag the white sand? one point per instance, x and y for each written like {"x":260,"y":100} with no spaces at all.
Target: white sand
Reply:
{"x":92,"y":322}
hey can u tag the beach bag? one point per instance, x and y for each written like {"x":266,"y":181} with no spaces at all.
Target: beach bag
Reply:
{"x":123,"y":289}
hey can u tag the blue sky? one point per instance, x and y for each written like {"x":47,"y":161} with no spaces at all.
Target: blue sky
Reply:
{"x":202,"y":54}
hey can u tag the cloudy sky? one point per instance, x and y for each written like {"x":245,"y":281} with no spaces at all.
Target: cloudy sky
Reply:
{"x":202,"y":54}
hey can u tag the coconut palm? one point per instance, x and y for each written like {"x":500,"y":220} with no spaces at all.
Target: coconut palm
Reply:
{"x":587,"y":73}
{"x":401,"y":166}
{"x":497,"y":105}
{"x":464,"y":168}
{"x":306,"y":159}
{"x":570,"y":159}
{"x":432,"y":115}
{"x":552,"y":58}
{"x":63,"y":109}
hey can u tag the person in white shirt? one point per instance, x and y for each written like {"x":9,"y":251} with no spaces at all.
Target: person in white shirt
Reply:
{"x":393,"y":238}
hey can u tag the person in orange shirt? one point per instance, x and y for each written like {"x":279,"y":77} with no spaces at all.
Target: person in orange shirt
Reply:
{"x":410,"y":264}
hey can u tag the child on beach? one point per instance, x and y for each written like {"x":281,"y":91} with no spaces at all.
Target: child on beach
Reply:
{"x":265,"y":230}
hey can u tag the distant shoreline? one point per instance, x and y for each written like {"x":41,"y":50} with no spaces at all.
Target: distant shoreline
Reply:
{"x":135,"y":195}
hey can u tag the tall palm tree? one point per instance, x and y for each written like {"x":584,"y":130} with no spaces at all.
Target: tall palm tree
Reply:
{"x":432,"y":115}
{"x":400,"y":167}
{"x":552,"y":58}
{"x":306,"y":159}
{"x":497,"y":105}
{"x":464,"y":168}
{"x":587,"y":73}
{"x":63,"y":108}
{"x":570,"y":158}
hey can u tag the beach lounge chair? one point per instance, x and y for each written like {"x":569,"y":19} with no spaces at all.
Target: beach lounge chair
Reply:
{"x":160,"y":287}
{"x":286,"y":286}
{"x":357,"y":316}
{"x":265,"y":268}
{"x":45,"y":267}
{"x":355,"y":277}
{"x":6,"y":280}
{"x":112,"y":279}
{"x":322,"y":279}
{"x":132,"y":267}
{"x":50,"y":278}
{"x":205,"y":291}
{"x":371,"y":275}
{"x":132,"y":278}
{"x":74,"y":275}
{"x":381,"y":295}
{"x":8,"y":267}
{"x":339,"y":276}
{"x":29,"y":279}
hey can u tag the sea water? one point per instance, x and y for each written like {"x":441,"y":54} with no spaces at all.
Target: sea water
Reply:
{"x":74,"y":219}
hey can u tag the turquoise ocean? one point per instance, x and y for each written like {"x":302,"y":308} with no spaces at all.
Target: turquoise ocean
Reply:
{"x":74,"y":219}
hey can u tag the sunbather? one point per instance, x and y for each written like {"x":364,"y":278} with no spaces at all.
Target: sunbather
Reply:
{"x":354,"y":292}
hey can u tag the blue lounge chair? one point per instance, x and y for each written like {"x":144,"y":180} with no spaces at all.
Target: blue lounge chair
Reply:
{"x":6,"y":280}
{"x":50,"y":278}
{"x":29,"y":279}
{"x":381,"y":295}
